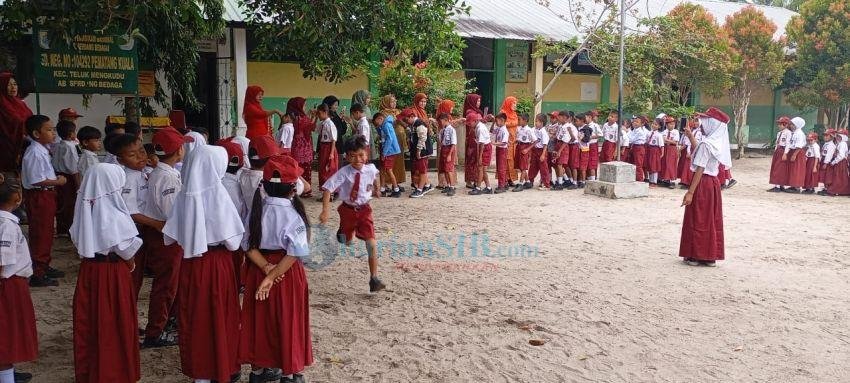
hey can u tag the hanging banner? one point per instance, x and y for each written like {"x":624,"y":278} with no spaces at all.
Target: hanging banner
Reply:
{"x":516,"y":61}
{"x":93,"y":63}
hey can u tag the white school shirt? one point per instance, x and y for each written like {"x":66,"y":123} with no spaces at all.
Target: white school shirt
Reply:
{"x":284,"y":135}
{"x":328,"y":132}
{"x":782,"y":137}
{"x":135,"y":191}
{"x":35,"y":166}
{"x":542,"y":138}
{"x":482,"y":134}
{"x":624,"y":139}
{"x":249,"y":179}
{"x":87,"y":160}
{"x":655,"y":138}
{"x":234,"y":190}
{"x":797,"y":141}
{"x":840,"y":153}
{"x":813,"y":150}
{"x":448,"y":136}
{"x":574,"y":130}
{"x":110,"y":158}
{"x":163,"y":186}
{"x":703,"y":157}
{"x":282,"y":229}
{"x":638,"y":136}
{"x":597,"y":132}
{"x":609,"y":132}
{"x":364,"y":129}
{"x":526,"y":135}
{"x":66,"y":155}
{"x":501,"y":136}
{"x":14,"y":252}
{"x":672,"y":135}
{"x":343,"y":180}
{"x":563,"y":133}
{"x":827,"y":152}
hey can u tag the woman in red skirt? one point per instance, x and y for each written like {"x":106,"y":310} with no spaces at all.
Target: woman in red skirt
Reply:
{"x":472,"y":104}
{"x":207,"y":226}
{"x":702,"y":228}
{"x":838,"y":166}
{"x":778,"y":167}
{"x":18,"y":336}
{"x":827,"y":153}
{"x":106,"y":341}
{"x":276,"y":307}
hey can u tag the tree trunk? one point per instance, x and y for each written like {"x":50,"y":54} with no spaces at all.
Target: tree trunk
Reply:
{"x":739,"y":96}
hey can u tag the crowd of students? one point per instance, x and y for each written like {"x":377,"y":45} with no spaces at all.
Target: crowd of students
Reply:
{"x":801,"y":165}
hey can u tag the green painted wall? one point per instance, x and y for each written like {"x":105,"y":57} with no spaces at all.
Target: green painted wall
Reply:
{"x":577,"y":107}
{"x":761,"y":120}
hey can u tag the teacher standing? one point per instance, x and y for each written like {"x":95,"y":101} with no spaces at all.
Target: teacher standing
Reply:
{"x":509,"y":109}
{"x":13,"y":113}
{"x":257,"y":118}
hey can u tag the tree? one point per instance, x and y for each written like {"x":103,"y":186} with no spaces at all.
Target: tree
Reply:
{"x":821,"y":36}
{"x":167,"y":30}
{"x":758,"y":60}
{"x":333,"y":38}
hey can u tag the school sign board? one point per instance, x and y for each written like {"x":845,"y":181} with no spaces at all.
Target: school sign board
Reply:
{"x":93,"y":63}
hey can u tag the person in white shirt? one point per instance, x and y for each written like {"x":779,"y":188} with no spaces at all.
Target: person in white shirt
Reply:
{"x":525,"y":138}
{"x":18,"y":335}
{"x":235,"y":166}
{"x":130,"y":153}
{"x":609,"y":137}
{"x":593,"y":161}
{"x":362,"y":126}
{"x":827,"y":154}
{"x":778,"y":166}
{"x":637,"y":149}
{"x":702,"y":227}
{"x":794,"y":156}
{"x":574,"y":163}
{"x":500,"y":138}
{"x":106,"y":240}
{"x":448,"y":153}
{"x":66,"y":155}
{"x":539,"y":159}
{"x":840,"y":184}
{"x":260,"y":150}
{"x":484,"y":155}
{"x":285,"y":133}
{"x":357,"y":184}
{"x":90,"y":142}
{"x":585,"y":132}
{"x":655,"y":152}
{"x":670,"y":160}
{"x":812,"y":163}
{"x":562,"y":152}
{"x":328,"y":161}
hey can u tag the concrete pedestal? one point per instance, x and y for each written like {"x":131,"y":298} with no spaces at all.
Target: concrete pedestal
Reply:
{"x":616,"y":181}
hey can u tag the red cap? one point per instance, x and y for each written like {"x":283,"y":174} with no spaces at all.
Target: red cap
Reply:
{"x":281,"y":169}
{"x":829,"y":132}
{"x":783,"y":120}
{"x":473,"y":116}
{"x":168,"y":140}
{"x":554,"y":113}
{"x":264,"y":146}
{"x":842,"y":131}
{"x":716,"y":114}
{"x":669,"y":119}
{"x":407,"y":112}
{"x":69,"y":113}
{"x":234,"y":152}
{"x":594,"y":113}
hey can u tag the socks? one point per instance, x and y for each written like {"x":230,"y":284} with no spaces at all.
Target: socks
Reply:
{"x":653,"y":178}
{"x":7,"y":376}
{"x":203,"y":381}
{"x":591,"y":178}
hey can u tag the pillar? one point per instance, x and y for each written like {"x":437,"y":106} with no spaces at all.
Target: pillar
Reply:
{"x":499,"y":63}
{"x":240,"y":70}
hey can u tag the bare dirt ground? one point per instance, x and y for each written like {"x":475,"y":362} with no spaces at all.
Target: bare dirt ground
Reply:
{"x":599,"y":284}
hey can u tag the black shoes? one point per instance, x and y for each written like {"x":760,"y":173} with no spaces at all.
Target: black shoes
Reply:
{"x":163,"y":340}
{"x":528,"y":185}
{"x":518,"y":188}
{"x":268,"y":375}
{"x":732,"y":182}
{"x":376,"y":285}
{"x":22,"y":377}
{"x":296,"y":378}
{"x":53,"y":273}
{"x":450,"y":192}
{"x":500,"y":190}
{"x":809,"y":191}
{"x":793,"y":190}
{"x":396,"y":194}
{"x":45,"y":281}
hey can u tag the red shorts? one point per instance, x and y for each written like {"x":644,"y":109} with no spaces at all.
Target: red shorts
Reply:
{"x":574,"y":156}
{"x":522,"y":160}
{"x":388,"y":162}
{"x":447,"y":162}
{"x":564,"y":158}
{"x":420,"y":166}
{"x":584,"y":159}
{"x":356,"y":221}
{"x":487,"y":155}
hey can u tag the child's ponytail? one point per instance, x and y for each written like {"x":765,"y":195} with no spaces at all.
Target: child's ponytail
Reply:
{"x":298,"y":204}
{"x":255,"y":221}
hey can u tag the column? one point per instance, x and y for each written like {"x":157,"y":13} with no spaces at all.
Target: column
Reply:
{"x":499,"y":51}
{"x":240,"y":69}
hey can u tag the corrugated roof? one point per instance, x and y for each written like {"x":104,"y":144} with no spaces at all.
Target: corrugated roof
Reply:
{"x":525,"y":19}
{"x":233,"y":12}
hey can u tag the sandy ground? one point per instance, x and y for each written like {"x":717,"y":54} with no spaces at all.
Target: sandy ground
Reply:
{"x":603,"y":288}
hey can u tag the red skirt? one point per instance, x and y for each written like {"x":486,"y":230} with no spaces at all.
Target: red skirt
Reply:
{"x":208,"y":316}
{"x":327,"y":168}
{"x":625,"y":154}
{"x":702,"y":228}
{"x":778,"y":168}
{"x":18,"y":336}
{"x":669,"y":163}
{"x":276,"y":331}
{"x":106,"y":339}
{"x":653,"y":159}
{"x":685,"y":173}
{"x":593,"y":161}
{"x":840,"y":180}
{"x":584,"y":157}
{"x":796,"y":168}
{"x":564,"y":158}
{"x":825,"y":174}
{"x":609,"y":148}
{"x":811,"y":181}
{"x":638,"y":153}
{"x":575,"y":154}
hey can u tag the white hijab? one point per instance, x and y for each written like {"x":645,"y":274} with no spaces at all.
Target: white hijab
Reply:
{"x":244,"y":142}
{"x":716,"y":138}
{"x":101,"y":218}
{"x":199,"y":141}
{"x":203,"y":212}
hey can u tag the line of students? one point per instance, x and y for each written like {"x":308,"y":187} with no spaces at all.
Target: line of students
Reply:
{"x":800,"y":164}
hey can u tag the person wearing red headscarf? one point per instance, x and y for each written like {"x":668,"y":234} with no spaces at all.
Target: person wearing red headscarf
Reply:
{"x":512,"y":122}
{"x":256,"y":118}
{"x":13,"y":113}
{"x":472,"y":104}
{"x":420,"y":100}
{"x":444,"y":107}
{"x":302,"y":140}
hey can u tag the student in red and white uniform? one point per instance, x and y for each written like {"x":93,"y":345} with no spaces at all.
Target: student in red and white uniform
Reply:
{"x":357,"y":184}
{"x":827,"y":154}
{"x":637,"y":139}
{"x":702,"y":240}
{"x":840,"y":184}
{"x":18,"y":335}
{"x":260,"y":149}
{"x":655,"y":152}
{"x":562,"y":152}
{"x":794,"y":156}
{"x":575,"y":153}
{"x":525,"y":143}
{"x":670,"y":160}
{"x":90,"y":143}
{"x":539,"y":159}
{"x":685,"y":173}
{"x":231,"y":183}
{"x":500,"y":141}
{"x":362,"y":126}
{"x":448,"y":153}
{"x":609,"y":138}
{"x":106,"y":347}
{"x":208,"y":305}
{"x":484,"y":155}
{"x":162,"y":260}
{"x":39,"y":182}
{"x":585,"y":132}
{"x":778,"y":167}
{"x":66,"y":156}
{"x":285,"y":133}
{"x":812,"y":164}
{"x":593,"y":161}
{"x":625,"y":144}
{"x":328,"y":161}
{"x":275,"y":332}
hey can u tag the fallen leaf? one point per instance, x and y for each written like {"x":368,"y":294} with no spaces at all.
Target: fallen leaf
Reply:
{"x":739,"y":348}
{"x":536,"y":342}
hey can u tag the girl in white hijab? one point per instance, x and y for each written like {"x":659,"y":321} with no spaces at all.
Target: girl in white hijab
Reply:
{"x":199,"y":140}
{"x":702,"y":229}
{"x":105,"y":324}
{"x":207,"y":226}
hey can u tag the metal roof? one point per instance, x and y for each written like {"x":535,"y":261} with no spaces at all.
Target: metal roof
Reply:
{"x":233,"y":12}
{"x":525,"y":19}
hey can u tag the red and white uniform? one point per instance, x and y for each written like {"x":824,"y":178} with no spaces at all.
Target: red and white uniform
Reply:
{"x":501,"y":137}
{"x":812,"y":162}
{"x":327,"y":138}
{"x":482,"y":134}
{"x":779,"y":168}
{"x":525,"y":139}
{"x":637,"y":138}
{"x":840,"y":179}
{"x":796,"y":166}
{"x":670,"y":160}
{"x":575,"y":154}
{"x":355,"y":189}
{"x":541,"y":143}
{"x":41,"y":204}
{"x":448,"y":140}
{"x":827,"y":154}
{"x":18,"y":335}
{"x":655,"y":146}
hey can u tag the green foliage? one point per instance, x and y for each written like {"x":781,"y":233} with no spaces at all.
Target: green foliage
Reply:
{"x":757,"y":58}
{"x":165,"y":30}
{"x":525,"y":103}
{"x":334,"y":38}
{"x":403,"y":80}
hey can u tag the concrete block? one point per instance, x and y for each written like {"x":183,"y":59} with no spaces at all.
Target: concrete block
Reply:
{"x":617,"y":172}
{"x":619,"y":190}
